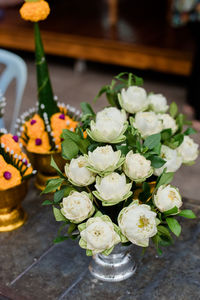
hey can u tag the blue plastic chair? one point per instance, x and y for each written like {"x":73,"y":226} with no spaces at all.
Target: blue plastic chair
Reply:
{"x":15,"y":69}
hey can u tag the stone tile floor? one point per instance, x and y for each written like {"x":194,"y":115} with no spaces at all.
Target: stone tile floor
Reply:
{"x":32,"y":268}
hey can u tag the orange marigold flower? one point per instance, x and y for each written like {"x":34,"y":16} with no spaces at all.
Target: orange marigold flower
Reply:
{"x":85,"y":134}
{"x":39,"y":145}
{"x":60,"y":121}
{"x":3,"y":164}
{"x":35,"y":127}
{"x":35,"y":11}
{"x":9,"y":178}
{"x":11,"y":142}
{"x":72,"y":126}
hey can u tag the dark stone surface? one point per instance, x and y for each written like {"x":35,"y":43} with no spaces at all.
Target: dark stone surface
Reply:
{"x":32,"y":268}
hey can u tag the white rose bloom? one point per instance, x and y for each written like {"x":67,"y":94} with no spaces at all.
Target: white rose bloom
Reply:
{"x":104,"y":159}
{"x":158,"y":103}
{"x":147,"y":123}
{"x":167,"y":197}
{"x":168,"y":122}
{"x":134,"y":99}
{"x":78,"y":173}
{"x":77,"y":206}
{"x":109,"y":127}
{"x":173,"y":160}
{"x":137,"y":167}
{"x":188,"y":150}
{"x":138,"y":223}
{"x":112,"y":189}
{"x":98,"y":235}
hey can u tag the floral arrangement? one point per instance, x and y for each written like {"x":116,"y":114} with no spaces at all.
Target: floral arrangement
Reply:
{"x":40,"y":128}
{"x":116,"y":187}
{"x":14,"y":164}
{"x":2,"y":105}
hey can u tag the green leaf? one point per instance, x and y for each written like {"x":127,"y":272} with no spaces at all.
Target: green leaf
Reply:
{"x":187,"y":213}
{"x":87,"y":109}
{"x":174,"y":226}
{"x":156,"y":161}
{"x":165,"y":178}
{"x":47,"y":202}
{"x":152,"y":141}
{"x":175,"y":141}
{"x":190,"y":131}
{"x":60,"y":239}
{"x":164,"y":231}
{"x":54,"y":165}
{"x":172,"y":211}
{"x":123,"y":148}
{"x":58,"y":215}
{"x":166,"y":134}
{"x":53,"y":185}
{"x":69,"y":149}
{"x":59,"y":195}
{"x":103,"y":90}
{"x":173,"y":109}
{"x":81,"y":144}
{"x":68,"y":190}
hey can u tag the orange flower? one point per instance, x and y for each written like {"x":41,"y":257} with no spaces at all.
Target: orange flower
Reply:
{"x":59,"y":122}
{"x":85,"y":134}
{"x":3,"y":165}
{"x":72,"y":126}
{"x":11,"y":142}
{"x":35,"y":11}
{"x":39,"y":145}
{"x":35,"y":127}
{"x":9,"y":178}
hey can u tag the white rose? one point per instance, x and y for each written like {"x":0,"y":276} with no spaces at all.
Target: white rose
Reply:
{"x":188,"y":150}
{"x":109,"y":127}
{"x":158,"y":103}
{"x":168,"y":122}
{"x":98,"y":235}
{"x":104,"y":159}
{"x":138,"y":223}
{"x":147,"y":123}
{"x":112,"y":189}
{"x":167,"y":197}
{"x":137,"y":167}
{"x":77,"y":206}
{"x":78,"y":173}
{"x":134,"y":99}
{"x":173,"y":160}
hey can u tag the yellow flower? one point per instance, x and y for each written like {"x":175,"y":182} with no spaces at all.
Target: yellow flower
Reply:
{"x":39,"y":145}
{"x":35,"y":11}
{"x":9,"y":178}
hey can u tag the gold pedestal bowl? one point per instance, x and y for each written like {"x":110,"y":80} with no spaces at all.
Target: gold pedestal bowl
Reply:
{"x":12,"y":215}
{"x":42,"y":163}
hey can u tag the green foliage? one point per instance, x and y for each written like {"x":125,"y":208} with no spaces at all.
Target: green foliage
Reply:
{"x":187,"y":213}
{"x":156,"y":161}
{"x":122,"y":80}
{"x":152,"y":141}
{"x":45,"y":93}
{"x":53,"y":185}
{"x":190,"y":131}
{"x":173,"y":109}
{"x":146,"y":192}
{"x":73,"y":144}
{"x":175,"y":141}
{"x":172,"y":211}
{"x":164,"y":178}
{"x":174,"y":225}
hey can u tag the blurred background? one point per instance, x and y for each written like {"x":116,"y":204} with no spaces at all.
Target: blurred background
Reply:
{"x":88,"y":42}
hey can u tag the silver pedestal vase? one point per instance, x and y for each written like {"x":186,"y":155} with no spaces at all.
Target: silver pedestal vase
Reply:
{"x":117,"y":266}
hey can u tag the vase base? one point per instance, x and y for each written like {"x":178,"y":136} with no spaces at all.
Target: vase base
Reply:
{"x":41,"y":180}
{"x":12,"y":220}
{"x":112,"y":271}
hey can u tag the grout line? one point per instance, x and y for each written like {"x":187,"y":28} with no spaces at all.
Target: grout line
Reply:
{"x":32,"y":265}
{"x":73,"y":284}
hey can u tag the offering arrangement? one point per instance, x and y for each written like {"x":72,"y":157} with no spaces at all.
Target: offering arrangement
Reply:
{"x":15,"y":170}
{"x":116,"y":187}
